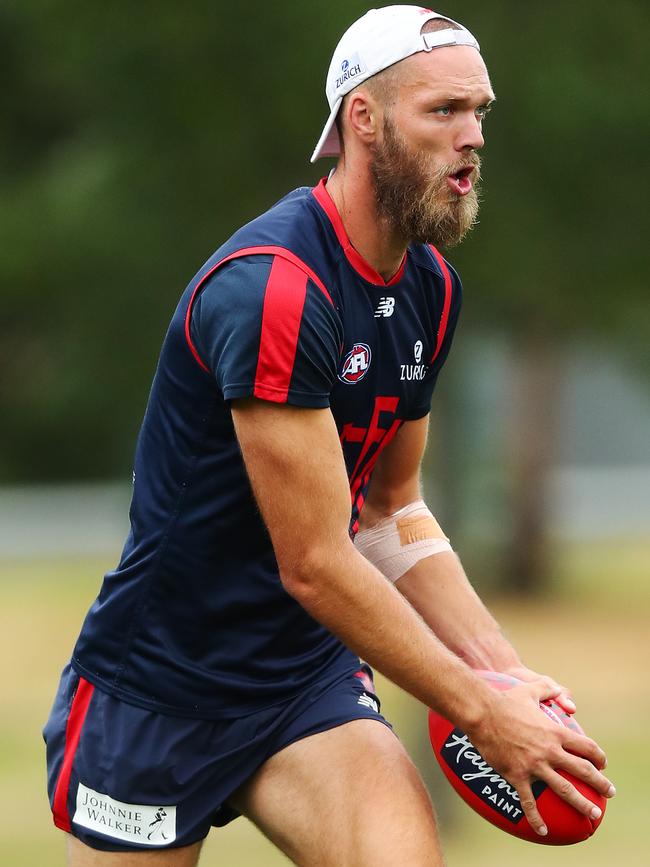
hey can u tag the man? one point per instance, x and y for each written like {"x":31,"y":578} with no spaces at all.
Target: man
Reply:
{"x":218,"y":671}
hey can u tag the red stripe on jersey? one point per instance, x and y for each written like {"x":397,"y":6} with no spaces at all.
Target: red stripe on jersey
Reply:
{"x":282,"y":252}
{"x":284,"y":301}
{"x":353,"y":256}
{"x":376,"y":434}
{"x":76,"y":719}
{"x":444,"y":319}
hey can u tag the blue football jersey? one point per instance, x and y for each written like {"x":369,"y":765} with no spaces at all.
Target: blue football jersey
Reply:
{"x":194,"y":621}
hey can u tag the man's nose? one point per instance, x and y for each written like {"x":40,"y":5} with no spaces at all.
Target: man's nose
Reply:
{"x":470,"y":133}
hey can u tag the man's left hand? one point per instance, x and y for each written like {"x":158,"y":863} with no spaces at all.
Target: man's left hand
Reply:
{"x":528,"y":676}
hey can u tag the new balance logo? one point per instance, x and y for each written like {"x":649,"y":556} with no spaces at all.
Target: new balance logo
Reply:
{"x":367,"y":701}
{"x":385,"y":307}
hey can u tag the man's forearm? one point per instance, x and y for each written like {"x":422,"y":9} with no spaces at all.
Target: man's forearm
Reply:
{"x":439,"y":590}
{"x":348,"y":595}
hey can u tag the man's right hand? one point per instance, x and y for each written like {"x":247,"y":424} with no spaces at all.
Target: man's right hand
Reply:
{"x":523,"y":745}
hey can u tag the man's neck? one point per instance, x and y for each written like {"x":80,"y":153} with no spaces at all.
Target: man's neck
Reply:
{"x":370,"y":234}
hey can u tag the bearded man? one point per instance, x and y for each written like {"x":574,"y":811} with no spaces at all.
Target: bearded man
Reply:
{"x":278,"y":533}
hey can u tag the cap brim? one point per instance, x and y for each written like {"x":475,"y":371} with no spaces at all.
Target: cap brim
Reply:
{"x":329,"y":144}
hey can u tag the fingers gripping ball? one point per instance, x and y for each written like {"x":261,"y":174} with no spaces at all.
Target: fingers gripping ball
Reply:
{"x":493,"y":797}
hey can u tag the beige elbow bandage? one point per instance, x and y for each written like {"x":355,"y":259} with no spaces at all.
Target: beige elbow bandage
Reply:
{"x":398,"y":542}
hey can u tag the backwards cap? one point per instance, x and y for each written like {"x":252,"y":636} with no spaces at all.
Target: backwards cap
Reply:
{"x":374,"y":42}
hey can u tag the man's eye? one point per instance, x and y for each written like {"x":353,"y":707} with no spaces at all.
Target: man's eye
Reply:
{"x":444,"y":110}
{"x":483,"y":111}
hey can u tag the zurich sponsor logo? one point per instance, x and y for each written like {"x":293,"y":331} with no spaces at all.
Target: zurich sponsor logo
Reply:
{"x":356,"y":364}
{"x":350,"y":68}
{"x":414,"y":372}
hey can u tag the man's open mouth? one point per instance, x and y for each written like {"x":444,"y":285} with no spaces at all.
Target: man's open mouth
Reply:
{"x":460,"y":181}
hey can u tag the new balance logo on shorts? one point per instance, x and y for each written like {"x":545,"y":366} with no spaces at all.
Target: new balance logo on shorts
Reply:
{"x":386,"y":307}
{"x":368,"y":701}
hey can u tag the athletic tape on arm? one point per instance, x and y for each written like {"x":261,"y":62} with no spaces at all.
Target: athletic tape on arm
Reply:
{"x":398,"y":542}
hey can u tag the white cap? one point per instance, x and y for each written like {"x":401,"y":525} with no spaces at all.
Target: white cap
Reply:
{"x":374,"y":42}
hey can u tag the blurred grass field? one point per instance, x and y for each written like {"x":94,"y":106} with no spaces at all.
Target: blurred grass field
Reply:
{"x":592,"y":632}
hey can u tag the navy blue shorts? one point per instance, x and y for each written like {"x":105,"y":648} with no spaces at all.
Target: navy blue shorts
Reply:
{"x":122,"y":778}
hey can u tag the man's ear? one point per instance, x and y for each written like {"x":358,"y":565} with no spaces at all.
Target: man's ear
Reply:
{"x":363,"y":115}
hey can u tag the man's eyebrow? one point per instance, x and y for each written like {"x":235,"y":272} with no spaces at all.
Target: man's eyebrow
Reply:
{"x":488,"y":101}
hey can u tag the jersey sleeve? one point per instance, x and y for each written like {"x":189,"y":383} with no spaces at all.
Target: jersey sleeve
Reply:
{"x":448,"y":330}
{"x":265,"y":329}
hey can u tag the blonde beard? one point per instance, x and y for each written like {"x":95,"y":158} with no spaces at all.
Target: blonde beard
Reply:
{"x":415,"y":200}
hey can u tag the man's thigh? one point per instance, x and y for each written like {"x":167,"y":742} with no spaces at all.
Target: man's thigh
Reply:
{"x":346,"y":797}
{"x":80,"y":855}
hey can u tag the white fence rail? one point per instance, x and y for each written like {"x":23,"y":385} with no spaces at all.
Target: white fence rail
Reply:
{"x":586,"y":502}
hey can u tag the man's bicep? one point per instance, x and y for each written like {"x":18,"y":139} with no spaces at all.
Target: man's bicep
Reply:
{"x":396,"y":478}
{"x":294,"y":461}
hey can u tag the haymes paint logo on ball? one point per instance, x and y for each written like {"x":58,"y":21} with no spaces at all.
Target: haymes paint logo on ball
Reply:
{"x":468,"y":764}
{"x":135,"y":823}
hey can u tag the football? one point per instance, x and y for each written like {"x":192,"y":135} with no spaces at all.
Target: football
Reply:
{"x":493,"y":797}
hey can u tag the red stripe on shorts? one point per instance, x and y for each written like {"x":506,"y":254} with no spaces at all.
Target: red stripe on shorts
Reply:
{"x":284,"y":301}
{"x":76,"y":719}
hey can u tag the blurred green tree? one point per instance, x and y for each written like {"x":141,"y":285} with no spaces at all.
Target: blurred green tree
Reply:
{"x":135,"y":140}
{"x":557,"y":255}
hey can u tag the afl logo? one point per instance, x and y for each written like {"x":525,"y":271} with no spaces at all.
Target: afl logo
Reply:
{"x":355,"y":364}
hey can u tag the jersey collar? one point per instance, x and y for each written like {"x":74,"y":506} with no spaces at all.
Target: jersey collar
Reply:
{"x":360,"y":265}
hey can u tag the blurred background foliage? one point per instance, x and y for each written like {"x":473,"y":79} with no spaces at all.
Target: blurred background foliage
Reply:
{"x":135,"y":137}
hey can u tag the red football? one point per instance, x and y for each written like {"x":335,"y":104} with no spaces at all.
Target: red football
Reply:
{"x":493,"y":797}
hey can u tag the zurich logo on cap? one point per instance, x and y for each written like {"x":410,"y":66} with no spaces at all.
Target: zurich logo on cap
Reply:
{"x":350,"y":68}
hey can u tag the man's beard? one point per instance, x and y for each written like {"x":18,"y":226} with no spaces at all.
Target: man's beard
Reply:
{"x":416,"y":199}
